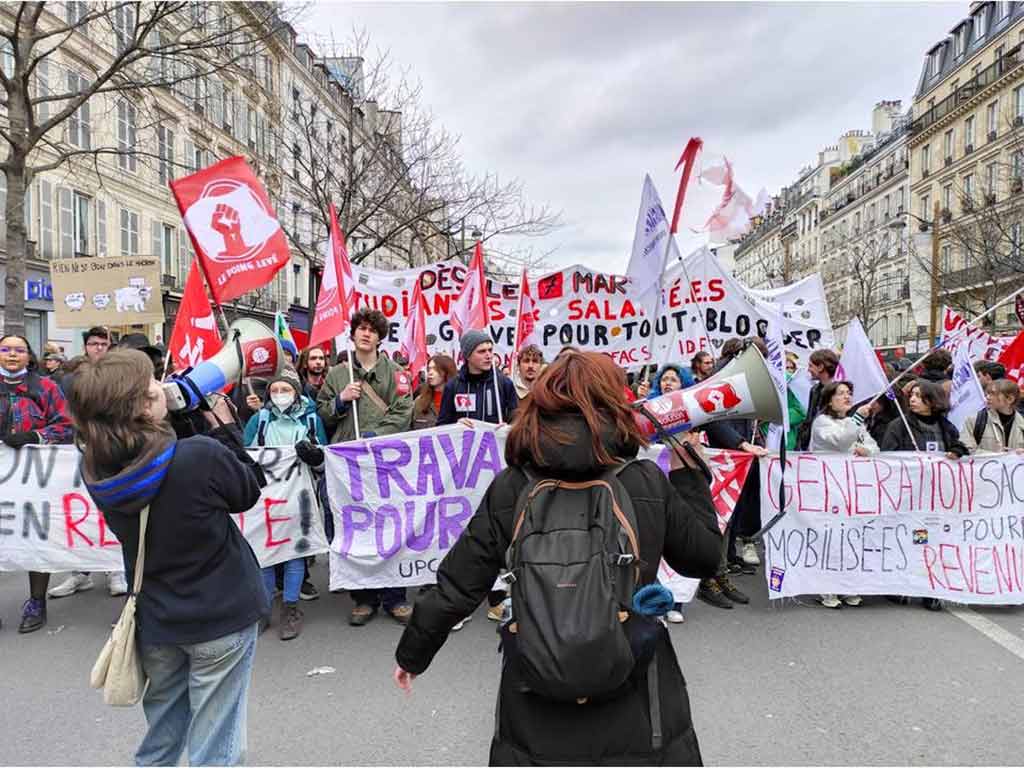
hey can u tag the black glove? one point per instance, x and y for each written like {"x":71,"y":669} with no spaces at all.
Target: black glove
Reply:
{"x":309,"y":453}
{"x":18,"y":439}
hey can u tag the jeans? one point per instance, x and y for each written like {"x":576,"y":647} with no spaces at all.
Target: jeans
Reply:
{"x":198,"y":695}
{"x":294,"y":573}
{"x":389,"y":597}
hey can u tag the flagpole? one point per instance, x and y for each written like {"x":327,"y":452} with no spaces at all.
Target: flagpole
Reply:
{"x":350,"y":353}
{"x":955,"y":336}
{"x":896,"y":400}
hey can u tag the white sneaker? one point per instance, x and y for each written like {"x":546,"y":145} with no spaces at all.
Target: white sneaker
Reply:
{"x":831,"y":601}
{"x":117,"y":584}
{"x":461,"y":624}
{"x":675,"y":617}
{"x":748,"y":553}
{"x":76,"y":582}
{"x":852,"y":600}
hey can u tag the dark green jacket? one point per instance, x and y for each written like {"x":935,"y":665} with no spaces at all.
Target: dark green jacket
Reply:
{"x":387,"y":380}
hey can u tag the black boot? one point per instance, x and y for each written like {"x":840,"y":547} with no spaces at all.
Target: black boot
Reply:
{"x":730,"y":591}
{"x":711,"y":594}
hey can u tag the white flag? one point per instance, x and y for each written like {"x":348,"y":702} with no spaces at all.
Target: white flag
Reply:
{"x":647,"y":262}
{"x":859,"y":364}
{"x":966,"y":397}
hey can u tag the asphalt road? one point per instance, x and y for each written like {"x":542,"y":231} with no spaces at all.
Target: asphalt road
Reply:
{"x":770,"y":684}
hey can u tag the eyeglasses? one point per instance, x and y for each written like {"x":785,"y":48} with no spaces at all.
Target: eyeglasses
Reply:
{"x":15,"y":350}
{"x":98,"y":344}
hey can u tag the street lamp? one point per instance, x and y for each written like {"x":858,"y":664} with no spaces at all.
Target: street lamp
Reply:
{"x":898,"y":225}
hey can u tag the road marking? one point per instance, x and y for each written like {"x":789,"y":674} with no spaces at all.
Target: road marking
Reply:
{"x":991,"y":630}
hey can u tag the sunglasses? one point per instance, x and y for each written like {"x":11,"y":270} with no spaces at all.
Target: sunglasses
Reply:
{"x":15,"y":350}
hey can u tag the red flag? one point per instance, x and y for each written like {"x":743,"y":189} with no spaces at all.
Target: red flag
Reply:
{"x":469,"y":310}
{"x":687,"y":160}
{"x":413,"y":345}
{"x":238,"y":241}
{"x":1013,"y":358}
{"x":333,"y":307}
{"x":526,"y":315}
{"x":195,"y":337}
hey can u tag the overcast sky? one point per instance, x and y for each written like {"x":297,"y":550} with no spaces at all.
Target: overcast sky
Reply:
{"x":580,"y":100}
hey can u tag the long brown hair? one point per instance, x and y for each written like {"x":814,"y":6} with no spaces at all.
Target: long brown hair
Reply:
{"x":108,"y":402}
{"x":585,"y":383}
{"x":425,"y":398}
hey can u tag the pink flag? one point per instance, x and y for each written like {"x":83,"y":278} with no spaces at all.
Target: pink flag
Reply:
{"x":469,"y":310}
{"x":333,"y":306}
{"x":413,"y":345}
{"x":526,"y":315}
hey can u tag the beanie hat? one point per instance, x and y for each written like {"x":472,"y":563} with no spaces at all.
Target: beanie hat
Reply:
{"x":289,"y":376}
{"x":472,"y":339}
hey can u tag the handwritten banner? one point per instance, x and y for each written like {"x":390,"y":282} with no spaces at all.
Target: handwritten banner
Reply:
{"x":899,"y":524}
{"x":400,"y":503}
{"x":981,"y":345}
{"x":107,"y":291}
{"x":48,"y":521}
{"x":702,"y":306}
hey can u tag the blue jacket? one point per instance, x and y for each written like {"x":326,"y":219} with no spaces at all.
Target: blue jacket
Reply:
{"x":314,"y":431}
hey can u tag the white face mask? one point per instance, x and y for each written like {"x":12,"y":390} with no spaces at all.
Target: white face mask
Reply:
{"x":283,"y":401}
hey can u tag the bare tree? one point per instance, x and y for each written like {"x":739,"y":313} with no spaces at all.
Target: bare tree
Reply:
{"x":862,"y":276}
{"x":392,"y":170}
{"x":135,"y":49}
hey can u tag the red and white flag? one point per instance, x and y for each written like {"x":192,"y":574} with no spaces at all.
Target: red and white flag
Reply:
{"x":526,"y":316}
{"x":195,"y":337}
{"x":1012,"y":358}
{"x":469,"y":310}
{"x":413,"y":345}
{"x":238,"y":241}
{"x":333,"y":306}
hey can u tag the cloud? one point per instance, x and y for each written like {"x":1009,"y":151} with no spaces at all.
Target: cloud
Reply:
{"x":580,"y":100}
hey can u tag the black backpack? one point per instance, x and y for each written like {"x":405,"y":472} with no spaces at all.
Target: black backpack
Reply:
{"x":574,"y":564}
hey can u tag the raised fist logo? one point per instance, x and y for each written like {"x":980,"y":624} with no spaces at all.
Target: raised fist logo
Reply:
{"x":720,"y":397}
{"x":225,"y":221}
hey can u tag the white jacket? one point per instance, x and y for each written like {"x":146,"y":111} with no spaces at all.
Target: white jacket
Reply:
{"x":840,"y":435}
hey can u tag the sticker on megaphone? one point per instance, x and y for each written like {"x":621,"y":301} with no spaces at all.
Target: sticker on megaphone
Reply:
{"x":684,"y":409}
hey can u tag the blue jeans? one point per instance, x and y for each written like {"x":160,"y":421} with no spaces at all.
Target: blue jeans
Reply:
{"x":294,"y":573}
{"x":198,"y":695}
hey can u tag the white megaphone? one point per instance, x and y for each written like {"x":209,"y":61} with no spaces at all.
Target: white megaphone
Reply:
{"x":251,"y":349}
{"x":743,"y":389}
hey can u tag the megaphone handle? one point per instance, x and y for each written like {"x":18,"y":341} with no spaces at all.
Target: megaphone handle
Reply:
{"x":673,"y":443}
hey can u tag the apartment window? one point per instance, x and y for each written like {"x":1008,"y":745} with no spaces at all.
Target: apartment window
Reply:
{"x":961,"y":40}
{"x":968,"y":190}
{"x":79,"y":124}
{"x":124,"y":26}
{"x":168,"y":241}
{"x":856,"y":222}
{"x":126,"y":135}
{"x":7,"y":58}
{"x":992,"y":118}
{"x":926,"y":157}
{"x":946,"y":263}
{"x":947,"y":145}
{"x":197,"y":158}
{"x":885,"y":207}
{"x":1018,"y":102}
{"x":1017,"y":164}
{"x":969,"y":134}
{"x":129,"y":233}
{"x":947,"y":197}
{"x":899,"y":201}
{"x":990,"y":179}
{"x":81,"y":211}
{"x":1002,"y":9}
{"x":75,"y":11}
{"x":926,"y":207}
{"x":165,"y":151}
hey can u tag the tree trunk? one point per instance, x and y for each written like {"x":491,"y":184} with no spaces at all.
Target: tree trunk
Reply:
{"x":17,"y":245}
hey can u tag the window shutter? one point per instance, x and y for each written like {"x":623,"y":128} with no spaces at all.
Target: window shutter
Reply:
{"x":46,"y":219}
{"x":85,"y":122}
{"x":156,"y":246}
{"x":101,"y":227}
{"x":190,"y":156}
{"x":43,"y":89}
{"x":67,"y":223}
{"x":184,"y":256}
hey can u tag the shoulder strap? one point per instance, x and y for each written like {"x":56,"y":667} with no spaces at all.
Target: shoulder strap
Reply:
{"x":377,"y":400}
{"x":311,"y":427}
{"x":979,"y":425}
{"x":140,"y":557}
{"x":261,"y":427}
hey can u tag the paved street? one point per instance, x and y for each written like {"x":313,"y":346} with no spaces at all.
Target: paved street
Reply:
{"x":770,"y":684}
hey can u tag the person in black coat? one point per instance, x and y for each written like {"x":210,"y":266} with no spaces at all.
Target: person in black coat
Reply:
{"x":470,"y":395}
{"x":577,"y":397}
{"x":930,"y":429}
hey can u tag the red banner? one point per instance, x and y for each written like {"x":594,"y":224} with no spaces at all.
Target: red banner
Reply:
{"x":237,"y":238}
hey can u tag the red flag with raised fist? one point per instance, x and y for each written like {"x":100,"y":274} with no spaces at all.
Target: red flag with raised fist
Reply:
{"x":526,"y":315}
{"x":333,"y":306}
{"x":195,"y":337}
{"x":469,"y":310}
{"x":414,"y":341}
{"x":238,"y":241}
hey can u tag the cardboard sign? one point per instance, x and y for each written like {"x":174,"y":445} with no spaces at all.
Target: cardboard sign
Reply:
{"x":107,"y":291}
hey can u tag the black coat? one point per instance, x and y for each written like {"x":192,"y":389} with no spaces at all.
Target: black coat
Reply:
{"x":481,"y":387}
{"x":675,"y":520}
{"x":898,"y":439}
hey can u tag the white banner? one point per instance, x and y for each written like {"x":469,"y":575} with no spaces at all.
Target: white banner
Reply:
{"x":981,"y":345}
{"x":910,"y":524}
{"x":401,"y":502}
{"x":598,"y":312}
{"x":48,"y":521}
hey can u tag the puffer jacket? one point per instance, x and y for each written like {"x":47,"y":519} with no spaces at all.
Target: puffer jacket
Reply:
{"x":675,"y":520}
{"x":841,"y":435}
{"x":478,"y":391}
{"x":992,"y":439}
{"x":925,"y":428}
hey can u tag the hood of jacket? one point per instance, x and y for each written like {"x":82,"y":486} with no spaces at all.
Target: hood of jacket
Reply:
{"x":135,"y":486}
{"x":685,"y":376}
{"x":577,"y":458}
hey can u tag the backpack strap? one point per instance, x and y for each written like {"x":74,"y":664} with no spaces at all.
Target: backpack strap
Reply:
{"x":980,"y":422}
{"x":654,"y":702}
{"x":311,"y":427}
{"x":261,"y":427}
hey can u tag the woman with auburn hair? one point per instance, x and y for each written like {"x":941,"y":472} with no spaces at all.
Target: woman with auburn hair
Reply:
{"x":575,"y":426}
{"x":202,"y":592}
{"x":440,"y":370}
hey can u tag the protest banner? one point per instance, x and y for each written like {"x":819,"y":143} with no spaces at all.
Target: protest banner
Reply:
{"x":49,"y":523}
{"x":107,"y":291}
{"x":981,"y":345}
{"x":598,"y":312}
{"x":401,"y":502}
{"x":913,"y":524}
